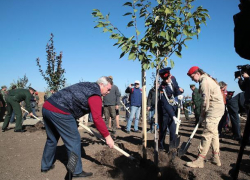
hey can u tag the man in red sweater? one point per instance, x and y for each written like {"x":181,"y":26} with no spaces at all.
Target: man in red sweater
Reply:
{"x":60,"y":112}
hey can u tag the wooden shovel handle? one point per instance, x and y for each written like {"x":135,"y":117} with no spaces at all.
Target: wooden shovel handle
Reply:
{"x":28,"y":113}
{"x":95,"y":134}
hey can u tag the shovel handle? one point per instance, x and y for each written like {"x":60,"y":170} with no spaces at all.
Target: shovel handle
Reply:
{"x":28,"y":113}
{"x":98,"y":136}
{"x":194,"y":131}
{"x":178,"y":116}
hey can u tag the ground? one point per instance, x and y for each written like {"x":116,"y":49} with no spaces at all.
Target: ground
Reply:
{"x":20,"y":157}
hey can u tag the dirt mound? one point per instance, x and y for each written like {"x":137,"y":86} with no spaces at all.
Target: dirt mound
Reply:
{"x":141,"y":169}
{"x":39,"y":126}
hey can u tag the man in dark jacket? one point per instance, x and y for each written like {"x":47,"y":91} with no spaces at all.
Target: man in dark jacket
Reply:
{"x":60,"y":112}
{"x":169,"y":91}
{"x":13,"y":100}
{"x":151,"y":108}
{"x":111,"y":103}
{"x":135,"y":105}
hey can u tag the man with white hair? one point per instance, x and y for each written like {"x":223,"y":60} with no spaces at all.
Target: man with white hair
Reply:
{"x":135,"y":99}
{"x":60,"y":112}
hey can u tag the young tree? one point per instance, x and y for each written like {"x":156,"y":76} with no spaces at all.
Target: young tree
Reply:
{"x":21,"y":82}
{"x":54,"y":75}
{"x":168,"y":26}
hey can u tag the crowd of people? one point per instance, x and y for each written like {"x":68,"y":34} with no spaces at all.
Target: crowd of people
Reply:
{"x":212,"y":105}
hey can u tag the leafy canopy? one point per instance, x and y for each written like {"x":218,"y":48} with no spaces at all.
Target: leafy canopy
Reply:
{"x":168,"y":26}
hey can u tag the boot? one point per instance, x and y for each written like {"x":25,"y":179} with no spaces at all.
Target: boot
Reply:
{"x":198,"y":163}
{"x":216,"y":159}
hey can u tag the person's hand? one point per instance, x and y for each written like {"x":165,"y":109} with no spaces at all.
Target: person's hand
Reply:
{"x":31,"y":114}
{"x":116,"y":107}
{"x":109,"y":141}
{"x":176,"y":120}
{"x":148,"y":108}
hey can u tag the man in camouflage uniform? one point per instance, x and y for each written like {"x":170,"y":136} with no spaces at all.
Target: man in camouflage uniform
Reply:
{"x":13,"y":100}
{"x":3,"y":102}
{"x":196,"y":99}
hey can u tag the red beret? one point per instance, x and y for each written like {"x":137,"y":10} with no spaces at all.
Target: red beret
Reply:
{"x":192,"y":70}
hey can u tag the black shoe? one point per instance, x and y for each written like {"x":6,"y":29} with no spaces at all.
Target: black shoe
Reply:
{"x":20,"y":130}
{"x":137,"y":131}
{"x":82,"y":174}
{"x":44,"y":171}
{"x":3,"y":130}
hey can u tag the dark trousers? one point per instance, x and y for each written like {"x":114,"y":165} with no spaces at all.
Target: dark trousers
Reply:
{"x":64,"y":126}
{"x":165,"y":121}
{"x":223,"y":121}
{"x":13,"y":105}
{"x":2,"y":112}
{"x":233,"y":110}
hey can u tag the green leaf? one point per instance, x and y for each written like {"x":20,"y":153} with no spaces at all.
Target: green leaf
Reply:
{"x":105,"y":29}
{"x":156,"y":18}
{"x":163,"y":34}
{"x":99,"y":25}
{"x":130,"y":24}
{"x":137,"y":32}
{"x":96,"y":10}
{"x":172,"y":63}
{"x":129,"y":13}
{"x":124,"y":48}
{"x":140,"y":57}
{"x":122,"y":54}
{"x":131,"y":56}
{"x":178,"y":54}
{"x":135,"y":10}
{"x":167,"y":11}
{"x":145,"y":66}
{"x":128,"y":4}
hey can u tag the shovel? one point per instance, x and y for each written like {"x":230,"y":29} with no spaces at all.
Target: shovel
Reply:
{"x":99,"y":137}
{"x":176,"y":141}
{"x":185,"y":145}
{"x":32,"y":115}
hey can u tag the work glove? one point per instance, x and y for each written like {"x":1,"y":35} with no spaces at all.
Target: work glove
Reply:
{"x":180,"y":97}
{"x":176,"y":120}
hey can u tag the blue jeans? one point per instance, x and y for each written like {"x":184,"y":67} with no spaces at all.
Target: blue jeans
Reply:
{"x":12,"y":119}
{"x":151,"y":119}
{"x":64,"y":126}
{"x":134,"y":111}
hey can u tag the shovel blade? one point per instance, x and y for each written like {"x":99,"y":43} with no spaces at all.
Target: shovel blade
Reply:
{"x":183,"y":149}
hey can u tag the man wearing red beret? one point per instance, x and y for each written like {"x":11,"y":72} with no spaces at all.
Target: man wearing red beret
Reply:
{"x":212,"y":109}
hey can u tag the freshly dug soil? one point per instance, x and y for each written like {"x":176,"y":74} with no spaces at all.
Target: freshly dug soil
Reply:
{"x":20,"y":157}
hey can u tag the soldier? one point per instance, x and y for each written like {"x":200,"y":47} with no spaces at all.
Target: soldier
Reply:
{"x":48,"y":94}
{"x":196,"y":99}
{"x":212,"y":110}
{"x":13,"y":100}
{"x":37,"y":101}
{"x":167,"y":108}
{"x":3,"y":102}
{"x":186,"y":106}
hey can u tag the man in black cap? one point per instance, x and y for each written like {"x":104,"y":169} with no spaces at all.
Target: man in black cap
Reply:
{"x":169,"y":91}
{"x":13,"y":100}
{"x":3,"y":101}
{"x":196,"y":99}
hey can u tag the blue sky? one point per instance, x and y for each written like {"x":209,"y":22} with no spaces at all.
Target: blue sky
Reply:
{"x":89,"y":54}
